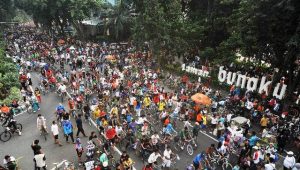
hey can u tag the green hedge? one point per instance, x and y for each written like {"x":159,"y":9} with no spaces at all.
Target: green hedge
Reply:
{"x":9,"y":78}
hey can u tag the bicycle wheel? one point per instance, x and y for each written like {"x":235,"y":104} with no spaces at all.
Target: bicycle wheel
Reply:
{"x":189,"y":149}
{"x":5,"y":136}
{"x":19,"y":126}
{"x":226,"y":166}
{"x":213,"y":165}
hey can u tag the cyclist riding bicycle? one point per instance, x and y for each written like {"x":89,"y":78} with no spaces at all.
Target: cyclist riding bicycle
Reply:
{"x":60,"y":109}
{"x":168,"y":130}
{"x":197,"y":161}
{"x":211,"y":151}
{"x":11,"y":123}
{"x":185,"y":135}
{"x":62,"y":89}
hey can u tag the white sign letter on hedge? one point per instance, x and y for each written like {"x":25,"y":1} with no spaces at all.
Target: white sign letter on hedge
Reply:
{"x":231,"y":78}
{"x":282,"y":91}
{"x":251,"y":86}
{"x":241,"y":81}
{"x":222,"y":74}
{"x":264,"y":86}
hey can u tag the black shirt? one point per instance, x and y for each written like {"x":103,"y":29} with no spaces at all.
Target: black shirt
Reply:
{"x":36,"y":149}
{"x":79,"y":123}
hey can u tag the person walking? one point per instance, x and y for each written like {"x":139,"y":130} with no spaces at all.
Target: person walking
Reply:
{"x":68,"y":130}
{"x":79,"y":150}
{"x":289,"y":161}
{"x":41,"y":123}
{"x":36,"y":147}
{"x":40,"y":161}
{"x":79,"y":126}
{"x":55,"y":132}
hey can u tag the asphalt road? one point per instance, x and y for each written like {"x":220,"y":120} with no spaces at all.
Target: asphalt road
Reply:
{"x":19,"y":146}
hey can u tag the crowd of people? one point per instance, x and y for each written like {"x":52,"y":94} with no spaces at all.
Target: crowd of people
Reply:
{"x":121,"y":90}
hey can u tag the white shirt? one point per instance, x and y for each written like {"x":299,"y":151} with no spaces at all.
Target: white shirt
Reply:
{"x":11,"y":159}
{"x":167,"y":154}
{"x":153,"y":157}
{"x":40,"y":160}
{"x":62,"y":88}
{"x":154,"y":139}
{"x":270,"y":166}
{"x":54,"y":129}
{"x":289,"y":162}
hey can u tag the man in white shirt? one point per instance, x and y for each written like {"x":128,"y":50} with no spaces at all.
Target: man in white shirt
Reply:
{"x":271,"y":165}
{"x":55,"y":132}
{"x":40,"y":161}
{"x":289,"y":161}
{"x":153,"y":157}
{"x":167,"y":157}
{"x":256,"y":155}
{"x":9,"y":162}
{"x":154,"y":140}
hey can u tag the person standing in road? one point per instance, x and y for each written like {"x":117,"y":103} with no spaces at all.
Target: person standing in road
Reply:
{"x":68,"y":130}
{"x":40,"y":161}
{"x":41,"y":123}
{"x":55,"y":132}
{"x":36,"y":147}
{"x":79,"y":126}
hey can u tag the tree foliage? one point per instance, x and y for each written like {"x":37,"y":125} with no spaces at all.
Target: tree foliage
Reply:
{"x":9,"y":80}
{"x":59,"y":13}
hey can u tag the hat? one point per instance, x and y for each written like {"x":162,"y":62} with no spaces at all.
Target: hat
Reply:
{"x":290,"y":153}
{"x":105,"y":164}
{"x":255,"y":147}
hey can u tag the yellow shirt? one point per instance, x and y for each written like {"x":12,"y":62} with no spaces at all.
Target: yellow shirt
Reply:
{"x":147,"y":101}
{"x":204,"y":120}
{"x":264,"y":121}
{"x":161,"y":106}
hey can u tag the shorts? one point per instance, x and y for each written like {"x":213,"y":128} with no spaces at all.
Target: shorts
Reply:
{"x":79,"y":153}
{"x":56,"y":137}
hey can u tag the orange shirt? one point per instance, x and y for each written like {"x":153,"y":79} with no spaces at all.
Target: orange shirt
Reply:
{"x":5,"y":109}
{"x":199,"y":117}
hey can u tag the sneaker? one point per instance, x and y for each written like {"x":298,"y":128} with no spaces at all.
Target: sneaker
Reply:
{"x":181,"y":147}
{"x":20,"y":133}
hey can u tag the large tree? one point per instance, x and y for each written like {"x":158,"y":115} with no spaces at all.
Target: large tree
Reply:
{"x":60,"y":13}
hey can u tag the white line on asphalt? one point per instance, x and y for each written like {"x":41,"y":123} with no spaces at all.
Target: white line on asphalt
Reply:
{"x":208,"y":136}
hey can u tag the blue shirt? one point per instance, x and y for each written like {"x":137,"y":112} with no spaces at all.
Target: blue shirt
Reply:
{"x":253,"y":139}
{"x":197,"y":159}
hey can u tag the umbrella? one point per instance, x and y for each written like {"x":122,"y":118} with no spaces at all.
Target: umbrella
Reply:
{"x":110,"y":133}
{"x":201,"y":99}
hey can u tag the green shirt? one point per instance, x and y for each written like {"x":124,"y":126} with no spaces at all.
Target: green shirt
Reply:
{"x":103,"y":158}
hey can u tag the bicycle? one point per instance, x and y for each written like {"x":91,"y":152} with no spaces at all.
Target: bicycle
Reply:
{"x":8,"y":132}
{"x":189,"y":144}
